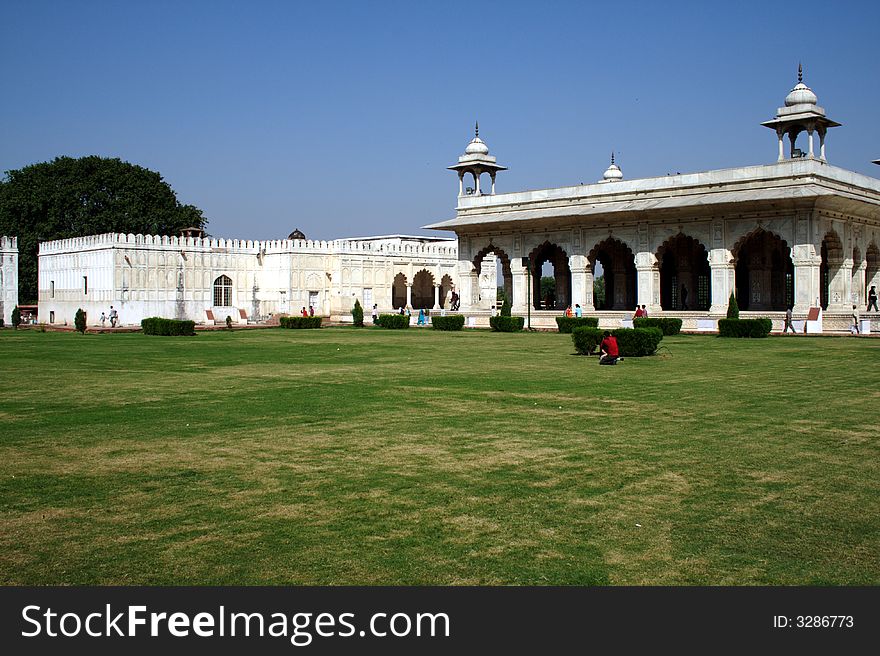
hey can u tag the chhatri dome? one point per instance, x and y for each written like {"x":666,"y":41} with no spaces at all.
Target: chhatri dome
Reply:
{"x":476,"y":161}
{"x":801,"y":113}
{"x":612,"y":173}
{"x":477,"y":146}
{"x":801,"y":94}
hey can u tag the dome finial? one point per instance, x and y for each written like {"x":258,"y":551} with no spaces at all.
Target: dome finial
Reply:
{"x":612,"y":157}
{"x":477,"y":129}
{"x":800,"y":72}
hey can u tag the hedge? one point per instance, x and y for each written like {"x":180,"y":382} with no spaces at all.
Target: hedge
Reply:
{"x":449,"y":322}
{"x":668,"y":325}
{"x":744,"y":327}
{"x":300,"y":322}
{"x":631,"y":342}
{"x":167,"y":327}
{"x":393,"y":321}
{"x":502,"y":324}
{"x":566,"y":324}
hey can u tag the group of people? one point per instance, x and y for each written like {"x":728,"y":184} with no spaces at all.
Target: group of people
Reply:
{"x":113,"y":317}
{"x":308,"y":313}
{"x":641,"y":312}
{"x":578,"y":312}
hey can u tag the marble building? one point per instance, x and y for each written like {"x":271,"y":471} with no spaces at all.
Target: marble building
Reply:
{"x":207,"y":279}
{"x":797,"y":232}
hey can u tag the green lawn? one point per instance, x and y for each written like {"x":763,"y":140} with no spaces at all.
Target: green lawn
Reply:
{"x":346,"y":456}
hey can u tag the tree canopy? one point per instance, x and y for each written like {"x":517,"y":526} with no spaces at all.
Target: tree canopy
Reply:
{"x":70,"y":197}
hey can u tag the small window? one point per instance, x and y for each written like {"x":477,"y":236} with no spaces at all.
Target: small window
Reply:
{"x":85,"y":284}
{"x":51,"y":289}
{"x":51,"y":316}
{"x":223,"y":292}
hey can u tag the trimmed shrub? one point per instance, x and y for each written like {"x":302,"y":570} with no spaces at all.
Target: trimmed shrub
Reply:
{"x":586,"y":339}
{"x":167,"y":327}
{"x":2,"y":323}
{"x":300,"y":322}
{"x":667,"y":325}
{"x":449,"y":322}
{"x":744,"y":327}
{"x":732,"y":307}
{"x":228,"y":322}
{"x":503,"y":324}
{"x":631,"y":342}
{"x":357,"y":314}
{"x":79,"y":321}
{"x":567,"y":324}
{"x":394,"y":321}
{"x":505,"y":307}
{"x":16,"y":317}
{"x":637,"y":342}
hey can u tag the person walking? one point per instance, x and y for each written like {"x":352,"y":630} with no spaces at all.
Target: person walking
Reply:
{"x":788,"y":323}
{"x":855,"y":330}
{"x":103,"y":319}
{"x":375,"y":313}
{"x":872,"y":299}
{"x":114,"y":317}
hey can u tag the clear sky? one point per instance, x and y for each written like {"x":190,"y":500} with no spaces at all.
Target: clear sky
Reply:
{"x":339,"y":118}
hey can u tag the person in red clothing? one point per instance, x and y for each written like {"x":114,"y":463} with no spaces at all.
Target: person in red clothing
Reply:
{"x":608,"y":353}
{"x":304,"y":312}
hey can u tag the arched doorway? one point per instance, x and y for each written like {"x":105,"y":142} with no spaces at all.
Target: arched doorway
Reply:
{"x":872,"y":269}
{"x":398,"y":291}
{"x":830,"y":270}
{"x":764,"y":272}
{"x":446,"y":288}
{"x":684,"y":274}
{"x":423,"y":290}
{"x":551,"y":277}
{"x":483,"y":263}
{"x":618,"y":274}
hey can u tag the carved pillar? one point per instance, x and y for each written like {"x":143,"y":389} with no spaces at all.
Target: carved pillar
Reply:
{"x":723,"y":279}
{"x":581,"y":282}
{"x":839,"y":285}
{"x":858,"y":284}
{"x":519,"y":302}
{"x":647,"y":281}
{"x":436,"y":297}
{"x":409,"y":294}
{"x":806,"y":277}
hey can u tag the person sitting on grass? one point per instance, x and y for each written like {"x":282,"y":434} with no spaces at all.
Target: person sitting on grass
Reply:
{"x":608,"y":353}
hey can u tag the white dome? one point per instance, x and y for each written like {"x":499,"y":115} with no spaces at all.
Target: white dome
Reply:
{"x":801,"y":95}
{"x":477,"y":147}
{"x":613,"y":173}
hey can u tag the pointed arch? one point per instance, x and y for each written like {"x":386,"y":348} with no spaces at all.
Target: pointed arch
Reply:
{"x":830,"y":268}
{"x":503,"y":259}
{"x":618,"y":274}
{"x":398,"y":291}
{"x":553,"y":296}
{"x":685,"y":274}
{"x":764,"y":271}
{"x":423,"y":290}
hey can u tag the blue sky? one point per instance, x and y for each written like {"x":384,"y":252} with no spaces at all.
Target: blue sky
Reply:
{"x":340,"y":118}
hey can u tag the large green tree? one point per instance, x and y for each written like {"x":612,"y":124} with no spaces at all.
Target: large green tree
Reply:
{"x":70,"y":197}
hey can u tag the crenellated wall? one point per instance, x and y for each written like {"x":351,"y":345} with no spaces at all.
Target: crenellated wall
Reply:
{"x":151,"y":275}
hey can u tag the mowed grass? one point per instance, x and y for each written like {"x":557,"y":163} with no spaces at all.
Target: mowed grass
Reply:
{"x":345,"y":456}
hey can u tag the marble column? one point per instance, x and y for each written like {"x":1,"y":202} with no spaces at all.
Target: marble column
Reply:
{"x":839,"y":285}
{"x":519,"y":302}
{"x":436,"y":297}
{"x":581,"y":282}
{"x":409,"y":294}
{"x":647,"y":282}
{"x":806,"y":277}
{"x":722,"y":280}
{"x":858,"y":284}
